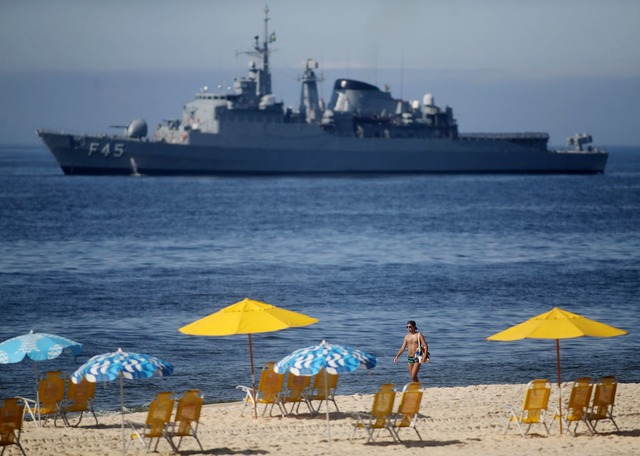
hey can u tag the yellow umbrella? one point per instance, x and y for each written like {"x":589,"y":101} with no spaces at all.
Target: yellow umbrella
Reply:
{"x":557,"y":324}
{"x":247,"y":317}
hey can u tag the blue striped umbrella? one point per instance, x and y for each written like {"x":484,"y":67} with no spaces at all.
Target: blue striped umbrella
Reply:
{"x":336,"y":359}
{"x":120,"y":365}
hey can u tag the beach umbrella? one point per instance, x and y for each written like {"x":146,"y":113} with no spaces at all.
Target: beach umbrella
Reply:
{"x":557,"y":324}
{"x":120,"y":365}
{"x":336,"y":359}
{"x":38,"y":347}
{"x":247,"y":317}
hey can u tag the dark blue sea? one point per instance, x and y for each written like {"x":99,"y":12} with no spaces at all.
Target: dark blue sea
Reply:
{"x":125,"y":261}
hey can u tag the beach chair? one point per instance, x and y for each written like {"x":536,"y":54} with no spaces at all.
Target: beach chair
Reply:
{"x":79,"y":399}
{"x":269,"y":390}
{"x":408,"y":409}
{"x":155,"y":426}
{"x":578,"y":406}
{"x":49,"y":399}
{"x":323,"y":389}
{"x":296,"y":392}
{"x":380,"y":416}
{"x":603,"y":400}
{"x":534,"y":409}
{"x":11,"y":416}
{"x":187,"y":418}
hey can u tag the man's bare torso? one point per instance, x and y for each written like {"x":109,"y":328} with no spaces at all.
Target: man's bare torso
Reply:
{"x":412,"y":342}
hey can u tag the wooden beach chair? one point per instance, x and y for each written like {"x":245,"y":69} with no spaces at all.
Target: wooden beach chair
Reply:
{"x":380,"y":416}
{"x":296,"y":392}
{"x":187,"y":418}
{"x":155,"y":426}
{"x":79,"y":400}
{"x":408,"y":409}
{"x":534,"y":409}
{"x":323,"y":389}
{"x":604,"y":398}
{"x":269,"y":390}
{"x":49,"y":400}
{"x":578,"y":406}
{"x":11,"y":417}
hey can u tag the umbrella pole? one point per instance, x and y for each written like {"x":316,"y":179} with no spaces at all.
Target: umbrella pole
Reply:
{"x":35,"y":368}
{"x":559,"y":383}
{"x":253,"y":381}
{"x":122,"y":412}
{"x":326,"y":404}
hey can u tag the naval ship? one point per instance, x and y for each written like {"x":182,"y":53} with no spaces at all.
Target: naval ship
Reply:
{"x":363,"y":129}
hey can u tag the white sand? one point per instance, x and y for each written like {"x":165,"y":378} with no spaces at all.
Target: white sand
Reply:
{"x":456,"y":421}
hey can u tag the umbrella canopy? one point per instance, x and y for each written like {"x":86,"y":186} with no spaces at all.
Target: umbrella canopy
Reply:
{"x":247,"y":317}
{"x":557,"y":324}
{"x":336,"y":359}
{"x":37,"y":346}
{"x":120,"y":365}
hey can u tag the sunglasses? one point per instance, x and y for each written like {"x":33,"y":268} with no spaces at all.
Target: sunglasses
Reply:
{"x":409,"y":327}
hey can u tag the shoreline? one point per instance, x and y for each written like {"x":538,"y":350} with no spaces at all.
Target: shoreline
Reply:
{"x":454,"y":421}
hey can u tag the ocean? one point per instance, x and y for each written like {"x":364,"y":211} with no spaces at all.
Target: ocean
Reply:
{"x":125,"y":261}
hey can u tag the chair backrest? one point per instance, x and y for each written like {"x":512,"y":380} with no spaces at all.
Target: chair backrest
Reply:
{"x":159,"y":414}
{"x":188,"y":411}
{"x":536,"y":399}
{"x":604,"y":395}
{"x":79,"y":395}
{"x":296,"y":384}
{"x":383,"y":403}
{"x":321,"y":391}
{"x":579,"y":398}
{"x":51,"y":391}
{"x":11,"y":414}
{"x":410,"y":402}
{"x":270,"y":384}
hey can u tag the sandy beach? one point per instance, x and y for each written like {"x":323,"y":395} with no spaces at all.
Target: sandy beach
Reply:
{"x":455,"y":421}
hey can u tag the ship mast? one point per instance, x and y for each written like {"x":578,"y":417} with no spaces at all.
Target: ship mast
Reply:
{"x":265,"y":60}
{"x":262,"y":52}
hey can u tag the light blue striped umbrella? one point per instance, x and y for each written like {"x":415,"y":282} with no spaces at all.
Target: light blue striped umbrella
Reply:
{"x":336,"y":359}
{"x":120,"y":365}
{"x":38,"y":347}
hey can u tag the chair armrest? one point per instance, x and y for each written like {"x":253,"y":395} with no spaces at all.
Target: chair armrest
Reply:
{"x":248,"y":392}
{"x":30,"y":407}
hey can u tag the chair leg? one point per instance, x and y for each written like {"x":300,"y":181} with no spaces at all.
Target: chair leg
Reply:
{"x":512,"y":417}
{"x":545,"y":426}
{"x":522,"y":433}
{"x":613,"y":421}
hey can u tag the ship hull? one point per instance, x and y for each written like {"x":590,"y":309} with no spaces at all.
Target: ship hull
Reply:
{"x":310,"y":154}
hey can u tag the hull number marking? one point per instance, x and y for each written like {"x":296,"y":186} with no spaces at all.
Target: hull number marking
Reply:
{"x":115,"y":150}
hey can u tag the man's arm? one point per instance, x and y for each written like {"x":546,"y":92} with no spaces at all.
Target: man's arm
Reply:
{"x":426,"y":347}
{"x":404,"y":345}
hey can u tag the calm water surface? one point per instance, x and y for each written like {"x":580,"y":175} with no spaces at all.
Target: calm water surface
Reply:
{"x":124,"y":262}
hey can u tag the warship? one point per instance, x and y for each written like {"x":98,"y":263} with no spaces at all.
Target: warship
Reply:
{"x":363,"y":129}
